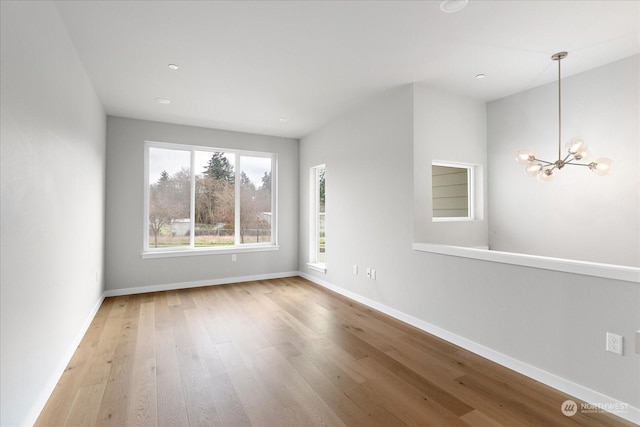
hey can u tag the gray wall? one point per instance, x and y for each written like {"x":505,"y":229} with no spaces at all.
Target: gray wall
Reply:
{"x":125,"y":267}
{"x":451,"y":128}
{"x":52,"y":222}
{"x":579,"y":215}
{"x":553,"y":321}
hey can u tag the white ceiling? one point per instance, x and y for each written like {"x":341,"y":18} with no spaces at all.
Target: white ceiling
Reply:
{"x":246,"y":64}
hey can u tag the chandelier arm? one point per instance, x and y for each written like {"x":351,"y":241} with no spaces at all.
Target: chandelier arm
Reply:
{"x":545,"y":162}
{"x":578,"y":164}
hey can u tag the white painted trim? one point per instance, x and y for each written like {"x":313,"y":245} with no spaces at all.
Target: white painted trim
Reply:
{"x":47,"y":390}
{"x":607,"y":271}
{"x":581,"y":392}
{"x":320,"y":267}
{"x":148,"y":252}
{"x":235,"y":249}
{"x":196,"y":284}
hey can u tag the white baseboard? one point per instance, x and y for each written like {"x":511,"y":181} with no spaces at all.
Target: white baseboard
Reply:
{"x":593,"y":397}
{"x":196,"y":284}
{"x":46,"y":392}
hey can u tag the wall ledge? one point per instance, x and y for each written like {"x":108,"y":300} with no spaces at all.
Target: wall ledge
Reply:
{"x":607,"y":271}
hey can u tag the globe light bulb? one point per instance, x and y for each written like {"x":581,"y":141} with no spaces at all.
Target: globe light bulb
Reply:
{"x":601,"y":166}
{"x":533,"y":168}
{"x":546,"y":175}
{"x":524,"y":156}
{"x":583,"y":153}
{"x":575,"y":145}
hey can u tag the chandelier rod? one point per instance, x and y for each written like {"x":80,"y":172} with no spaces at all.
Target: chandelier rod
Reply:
{"x":559,"y":109}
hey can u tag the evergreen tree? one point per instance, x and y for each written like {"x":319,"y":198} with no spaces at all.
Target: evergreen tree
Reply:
{"x":164,"y":177}
{"x":266,"y":181}
{"x":220,"y":168}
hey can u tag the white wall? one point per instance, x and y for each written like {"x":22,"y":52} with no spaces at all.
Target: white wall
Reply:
{"x":52,"y":223}
{"x":579,"y":215}
{"x":125,"y":267}
{"x":448,"y":128}
{"x":554,"y":322}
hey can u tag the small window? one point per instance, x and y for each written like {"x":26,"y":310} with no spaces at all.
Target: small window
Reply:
{"x":452,"y":191}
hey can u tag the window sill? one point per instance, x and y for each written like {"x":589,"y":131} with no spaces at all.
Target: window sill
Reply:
{"x":320,"y":267}
{"x":171,"y":253}
{"x":608,"y":271}
{"x":452,"y":219}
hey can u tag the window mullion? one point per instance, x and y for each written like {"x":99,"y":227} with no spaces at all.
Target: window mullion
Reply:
{"x":237,"y":199}
{"x":192,"y":201}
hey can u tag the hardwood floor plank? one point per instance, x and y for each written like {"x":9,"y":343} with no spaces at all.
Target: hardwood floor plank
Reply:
{"x":115,"y":401}
{"x":84,"y":410}
{"x":285,"y":352}
{"x":172,"y":409}
{"x":476,"y":418}
{"x":142,"y":406}
{"x":200,"y":407}
{"x":228,"y":405}
{"x":59,"y":404}
{"x":341,"y":404}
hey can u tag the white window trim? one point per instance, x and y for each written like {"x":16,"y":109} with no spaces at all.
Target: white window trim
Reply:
{"x":148,"y":252}
{"x":471,"y":186}
{"x":314,"y":210}
{"x":320,"y":267}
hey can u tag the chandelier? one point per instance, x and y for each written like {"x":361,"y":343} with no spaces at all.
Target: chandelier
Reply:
{"x":577,"y":149}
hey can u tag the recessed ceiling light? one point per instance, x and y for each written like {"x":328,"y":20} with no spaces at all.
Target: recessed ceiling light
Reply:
{"x":450,"y":6}
{"x":284,"y":119}
{"x":480,"y":76}
{"x":162,"y":100}
{"x":173,"y":66}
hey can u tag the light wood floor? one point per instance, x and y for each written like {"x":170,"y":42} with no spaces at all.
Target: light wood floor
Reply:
{"x":284,"y":353}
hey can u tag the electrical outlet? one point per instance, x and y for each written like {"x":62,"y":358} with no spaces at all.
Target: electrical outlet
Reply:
{"x":373,"y":275}
{"x":614,"y":343}
{"x":234,"y":257}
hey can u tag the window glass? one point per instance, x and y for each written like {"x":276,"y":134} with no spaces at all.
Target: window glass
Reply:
{"x":214,"y":199}
{"x":322,"y":243}
{"x":169,"y":198}
{"x":255,"y":199}
{"x":317,"y":237}
{"x":450,"y":191}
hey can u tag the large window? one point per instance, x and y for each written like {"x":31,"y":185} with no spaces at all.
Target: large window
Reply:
{"x":318,"y":238}
{"x":201,"y":198}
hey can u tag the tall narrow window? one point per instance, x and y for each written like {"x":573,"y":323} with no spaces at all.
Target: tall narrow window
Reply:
{"x":201,"y":198}
{"x":318,"y":238}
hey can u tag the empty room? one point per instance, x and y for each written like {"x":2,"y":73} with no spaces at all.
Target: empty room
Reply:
{"x":320,"y":213}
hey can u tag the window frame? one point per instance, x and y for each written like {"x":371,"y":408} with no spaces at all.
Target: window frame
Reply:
{"x":314,"y":219}
{"x":471,"y":189}
{"x":191,"y":250}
